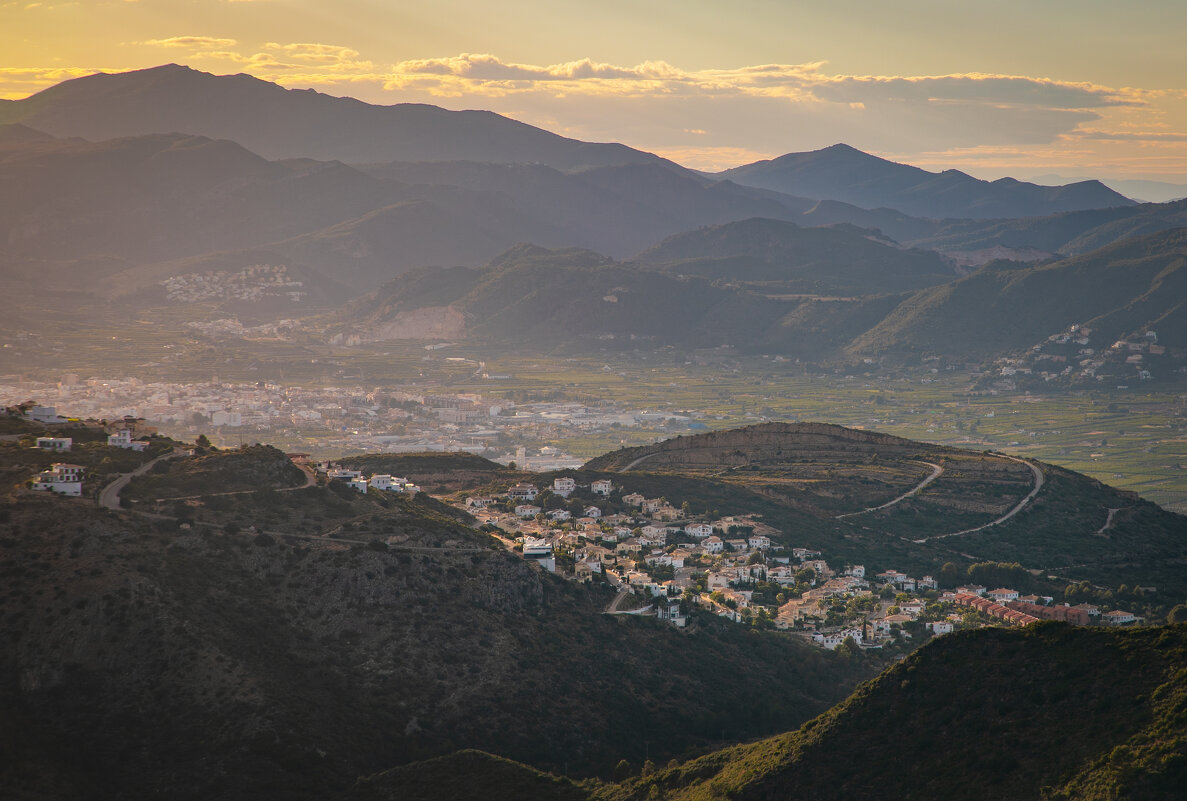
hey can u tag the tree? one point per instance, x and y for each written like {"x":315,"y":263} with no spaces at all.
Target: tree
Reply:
{"x":622,"y":771}
{"x":648,"y":768}
{"x":1178,"y":614}
{"x":202,"y":441}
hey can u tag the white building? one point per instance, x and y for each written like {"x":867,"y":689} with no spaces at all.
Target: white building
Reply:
{"x":603,"y":486}
{"x":64,"y":479}
{"x":523,"y":492}
{"x":54,"y":443}
{"x":527,"y":510}
{"x":539,"y":551}
{"x":359,"y":484}
{"x":563,"y":486}
{"x":123,"y":439}
{"x":831,"y":640}
{"x":714,"y":545}
{"x":670,"y":611}
{"x":698,"y":530}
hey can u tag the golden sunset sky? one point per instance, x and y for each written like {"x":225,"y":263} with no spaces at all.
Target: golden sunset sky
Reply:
{"x":1075,"y":87}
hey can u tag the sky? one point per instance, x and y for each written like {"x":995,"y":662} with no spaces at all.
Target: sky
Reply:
{"x":1042,"y":87}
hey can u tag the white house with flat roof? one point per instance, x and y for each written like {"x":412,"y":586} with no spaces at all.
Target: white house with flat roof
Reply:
{"x":123,"y":439}
{"x":64,"y":479}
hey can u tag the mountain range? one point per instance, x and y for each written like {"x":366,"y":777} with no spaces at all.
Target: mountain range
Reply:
{"x":214,"y":181}
{"x":846,"y":174}
{"x":771,"y":287}
{"x":283,"y":123}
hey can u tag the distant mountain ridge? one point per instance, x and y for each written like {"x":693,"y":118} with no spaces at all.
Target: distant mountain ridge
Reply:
{"x":750,"y":289}
{"x":283,"y":123}
{"x":843,"y":173}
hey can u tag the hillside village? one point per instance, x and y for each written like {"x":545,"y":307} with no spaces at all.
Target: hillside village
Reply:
{"x":739,"y":568}
{"x":1077,"y":356}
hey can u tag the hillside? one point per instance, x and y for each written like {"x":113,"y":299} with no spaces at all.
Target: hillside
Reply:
{"x":215,"y":661}
{"x":846,"y":174}
{"x":770,"y":287}
{"x":781,"y":256}
{"x":531,"y":295}
{"x":283,"y":123}
{"x":1071,"y":233}
{"x":245,"y":469}
{"x":1050,"y":712}
{"x":1119,"y":291}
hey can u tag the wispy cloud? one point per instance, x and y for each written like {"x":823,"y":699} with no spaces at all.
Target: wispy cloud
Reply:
{"x":192,"y":42}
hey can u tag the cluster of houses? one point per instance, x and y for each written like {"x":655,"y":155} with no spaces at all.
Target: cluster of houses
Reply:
{"x":356,"y":480}
{"x":1068,"y":355}
{"x":64,"y":478}
{"x":673,"y":563}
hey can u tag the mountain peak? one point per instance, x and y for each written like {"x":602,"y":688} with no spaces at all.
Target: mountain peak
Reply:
{"x":281,"y":123}
{"x":843,"y":173}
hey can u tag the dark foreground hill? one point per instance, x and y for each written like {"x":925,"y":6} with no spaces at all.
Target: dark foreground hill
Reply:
{"x":1050,"y":712}
{"x":846,"y":174}
{"x":143,"y":660}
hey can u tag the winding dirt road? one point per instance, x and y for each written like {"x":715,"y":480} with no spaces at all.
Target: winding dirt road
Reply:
{"x":937,"y":471}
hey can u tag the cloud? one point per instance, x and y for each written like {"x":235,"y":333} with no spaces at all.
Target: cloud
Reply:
{"x":19,"y":82}
{"x":192,"y":42}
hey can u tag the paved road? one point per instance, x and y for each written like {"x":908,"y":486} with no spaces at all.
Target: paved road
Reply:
{"x":936,"y":472}
{"x":1039,"y":481}
{"x":109,"y":497}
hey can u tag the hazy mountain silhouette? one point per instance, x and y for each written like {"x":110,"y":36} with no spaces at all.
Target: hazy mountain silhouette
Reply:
{"x":843,"y":173}
{"x":291,"y":123}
